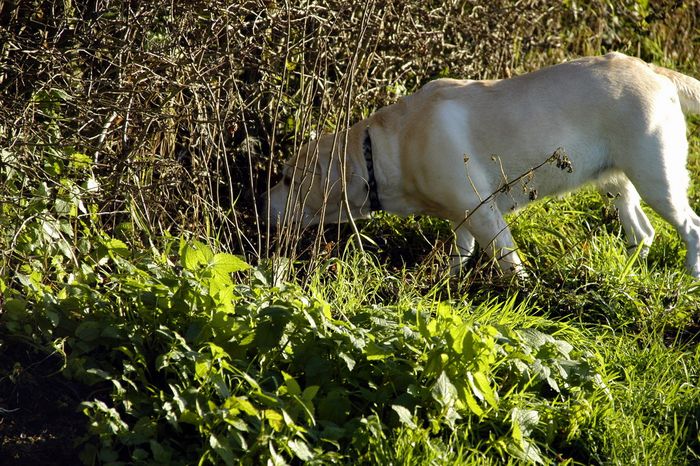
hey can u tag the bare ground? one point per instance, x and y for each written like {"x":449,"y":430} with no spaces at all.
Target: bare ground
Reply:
{"x":40,"y":421}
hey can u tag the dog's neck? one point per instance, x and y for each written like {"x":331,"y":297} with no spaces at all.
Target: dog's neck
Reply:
{"x":374,"y":202}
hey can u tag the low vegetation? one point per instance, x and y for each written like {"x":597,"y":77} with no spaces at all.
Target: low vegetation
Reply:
{"x":147,"y":317}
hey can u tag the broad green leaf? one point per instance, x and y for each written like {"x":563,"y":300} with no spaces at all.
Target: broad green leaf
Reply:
{"x":457,"y":335}
{"x":223,"y":449}
{"x":445,"y":311}
{"x":432,"y":328}
{"x":405,"y":416}
{"x":423,"y":326}
{"x":80,"y":160}
{"x":50,"y":228}
{"x":275,"y":458}
{"x":526,"y":451}
{"x":217,"y":352}
{"x":466,"y":398}
{"x":300,"y":449}
{"x":15,"y":306}
{"x":104,"y":375}
{"x":62,"y":207}
{"x":242,"y":404}
{"x":451,"y":417}
{"x":482,"y":388}
{"x":293,"y":387}
{"x":436,"y":363}
{"x":534,"y":338}
{"x":335,"y":406}
{"x":190,"y":417}
{"x":309,"y":393}
{"x":195,"y":254}
{"x":202,"y":368}
{"x":443,"y":391}
{"x":564,"y":347}
{"x":374,"y":352}
{"x":275,"y":419}
{"x":160,"y":454}
{"x":88,"y":330}
{"x":349,"y":362}
{"x":117,"y":247}
{"x":92,"y":185}
{"x":526,"y":419}
{"x":228,"y":263}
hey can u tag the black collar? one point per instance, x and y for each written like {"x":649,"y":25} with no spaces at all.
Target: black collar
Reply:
{"x":374,"y":203}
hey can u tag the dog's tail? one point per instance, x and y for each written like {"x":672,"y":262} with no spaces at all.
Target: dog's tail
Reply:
{"x":688,"y":89}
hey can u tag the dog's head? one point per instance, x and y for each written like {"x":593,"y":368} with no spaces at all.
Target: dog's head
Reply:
{"x":325,"y":178}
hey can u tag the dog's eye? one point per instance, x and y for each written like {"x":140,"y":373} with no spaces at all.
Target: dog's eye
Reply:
{"x":287,"y":180}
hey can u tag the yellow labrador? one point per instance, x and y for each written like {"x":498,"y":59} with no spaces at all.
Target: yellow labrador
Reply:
{"x":467,"y":151}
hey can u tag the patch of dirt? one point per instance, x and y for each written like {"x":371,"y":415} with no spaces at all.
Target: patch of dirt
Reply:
{"x":40,"y":422}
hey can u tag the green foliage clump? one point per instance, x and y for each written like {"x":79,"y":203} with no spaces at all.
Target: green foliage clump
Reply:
{"x":200,"y":367}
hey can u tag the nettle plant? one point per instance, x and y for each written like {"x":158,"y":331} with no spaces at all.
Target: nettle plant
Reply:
{"x":205,"y":361}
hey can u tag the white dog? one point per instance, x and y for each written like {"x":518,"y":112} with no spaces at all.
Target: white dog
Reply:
{"x":470,"y":151}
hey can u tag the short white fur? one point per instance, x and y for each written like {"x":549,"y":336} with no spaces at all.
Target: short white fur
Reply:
{"x":449,"y":150}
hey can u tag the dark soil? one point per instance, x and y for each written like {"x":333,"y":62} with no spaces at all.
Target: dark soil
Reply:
{"x":40,"y":421}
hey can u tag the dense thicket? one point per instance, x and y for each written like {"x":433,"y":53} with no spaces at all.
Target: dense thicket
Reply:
{"x":182,"y":111}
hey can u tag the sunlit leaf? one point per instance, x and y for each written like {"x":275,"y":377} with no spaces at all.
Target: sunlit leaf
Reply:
{"x":443,"y":391}
{"x":405,"y":416}
{"x":482,"y":387}
{"x":293,"y":387}
{"x":223,"y":449}
{"x":300,"y":449}
{"x":227,"y":263}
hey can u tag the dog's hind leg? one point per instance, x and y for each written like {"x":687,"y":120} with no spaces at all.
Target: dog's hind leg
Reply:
{"x":635,"y":223}
{"x":660,"y":176}
{"x":677,"y":212}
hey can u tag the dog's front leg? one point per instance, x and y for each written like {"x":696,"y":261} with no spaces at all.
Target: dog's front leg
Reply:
{"x":463,"y":247}
{"x":490,"y":230}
